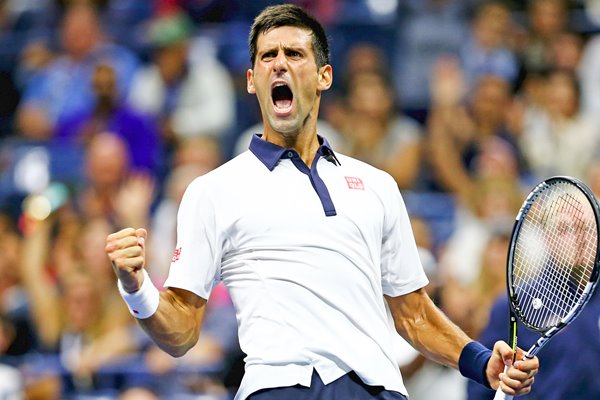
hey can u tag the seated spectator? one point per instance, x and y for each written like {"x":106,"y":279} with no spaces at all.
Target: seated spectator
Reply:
{"x":109,"y":113}
{"x":486,"y":50}
{"x":376,"y":133}
{"x":187,"y":98}
{"x":72,"y":302}
{"x":559,"y":138}
{"x":62,"y":88}
{"x":570,"y":371}
{"x":546,"y":19}
{"x":461,"y":124}
{"x":111,"y":188}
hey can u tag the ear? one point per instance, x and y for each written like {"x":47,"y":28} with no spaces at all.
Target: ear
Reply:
{"x":250,"y":82}
{"x":325,"y":77}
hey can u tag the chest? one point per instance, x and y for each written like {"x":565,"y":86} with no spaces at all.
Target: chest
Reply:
{"x":285,"y":208}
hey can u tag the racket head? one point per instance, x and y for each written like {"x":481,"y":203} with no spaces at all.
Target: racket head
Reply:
{"x":552,"y":265}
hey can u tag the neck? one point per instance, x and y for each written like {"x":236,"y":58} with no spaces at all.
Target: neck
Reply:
{"x":306,"y":142}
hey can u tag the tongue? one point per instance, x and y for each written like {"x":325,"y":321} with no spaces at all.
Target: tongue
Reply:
{"x":283,"y":103}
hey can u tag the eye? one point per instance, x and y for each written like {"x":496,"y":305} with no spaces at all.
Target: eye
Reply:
{"x":268,"y":55}
{"x":294,"y":54}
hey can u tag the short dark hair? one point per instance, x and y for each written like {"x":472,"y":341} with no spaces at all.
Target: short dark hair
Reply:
{"x":290,"y":15}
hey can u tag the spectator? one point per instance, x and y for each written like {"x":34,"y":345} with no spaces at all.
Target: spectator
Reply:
{"x":11,"y":380}
{"x":109,"y":114}
{"x":572,"y":375}
{"x":73,"y":306}
{"x":202,"y":151}
{"x":486,"y":50}
{"x":164,"y":219}
{"x":589,"y":73}
{"x":463,"y":125}
{"x":566,"y":51}
{"x":546,"y":19}
{"x":62,"y":88}
{"x":417,"y":371}
{"x":187,"y":98}
{"x":376,"y":133}
{"x":490,"y":282}
{"x":111,"y":187}
{"x":469,"y":261}
{"x":560,"y":138}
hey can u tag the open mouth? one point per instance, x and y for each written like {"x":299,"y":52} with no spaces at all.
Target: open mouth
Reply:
{"x":282,"y":97}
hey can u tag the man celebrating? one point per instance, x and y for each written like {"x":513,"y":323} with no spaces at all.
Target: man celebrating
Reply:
{"x":312,"y":246}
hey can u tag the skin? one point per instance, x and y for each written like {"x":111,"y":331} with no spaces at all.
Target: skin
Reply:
{"x":285,"y":54}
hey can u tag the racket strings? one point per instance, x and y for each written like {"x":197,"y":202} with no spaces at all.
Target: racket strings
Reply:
{"x":554,"y":256}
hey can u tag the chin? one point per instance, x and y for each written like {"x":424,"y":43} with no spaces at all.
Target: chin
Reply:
{"x":285,"y":128}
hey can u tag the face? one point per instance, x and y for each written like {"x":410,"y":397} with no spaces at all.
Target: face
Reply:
{"x":370,"y":96}
{"x":107,"y":160}
{"x":104,"y":82}
{"x":561,"y":95}
{"x":490,"y":99}
{"x":80,"y":32}
{"x":287,"y":81}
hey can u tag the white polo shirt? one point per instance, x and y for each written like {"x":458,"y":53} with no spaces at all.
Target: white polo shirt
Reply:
{"x":307,"y":255}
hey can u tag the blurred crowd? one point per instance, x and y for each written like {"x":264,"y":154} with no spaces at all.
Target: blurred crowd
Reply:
{"x":108,"y":109}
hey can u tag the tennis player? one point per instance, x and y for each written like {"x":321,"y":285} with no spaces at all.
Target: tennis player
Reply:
{"x":314,"y":247}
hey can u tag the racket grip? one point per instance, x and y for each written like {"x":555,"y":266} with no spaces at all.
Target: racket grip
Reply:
{"x":500,"y":395}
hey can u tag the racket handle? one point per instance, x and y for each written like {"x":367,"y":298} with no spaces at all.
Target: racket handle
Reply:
{"x":500,"y":395}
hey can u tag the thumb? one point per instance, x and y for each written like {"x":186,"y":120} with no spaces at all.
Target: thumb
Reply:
{"x":506,"y":352}
{"x":141,"y":234}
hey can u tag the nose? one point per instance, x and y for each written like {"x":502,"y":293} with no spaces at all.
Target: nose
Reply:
{"x":280,"y":63}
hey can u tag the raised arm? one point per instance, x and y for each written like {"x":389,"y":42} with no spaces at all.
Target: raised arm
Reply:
{"x":174,"y":316}
{"x":426,"y":327}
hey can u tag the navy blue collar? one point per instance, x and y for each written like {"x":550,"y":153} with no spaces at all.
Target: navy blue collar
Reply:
{"x":270,"y":153}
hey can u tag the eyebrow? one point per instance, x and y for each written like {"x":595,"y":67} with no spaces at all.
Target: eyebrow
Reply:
{"x":294,"y":47}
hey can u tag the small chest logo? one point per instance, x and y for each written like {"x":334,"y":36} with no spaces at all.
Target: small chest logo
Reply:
{"x":176,"y":254}
{"x":355,"y":183}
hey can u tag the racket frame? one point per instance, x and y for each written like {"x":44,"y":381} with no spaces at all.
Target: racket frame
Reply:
{"x":515,"y":314}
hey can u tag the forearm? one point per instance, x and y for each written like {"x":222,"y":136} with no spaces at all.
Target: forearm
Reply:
{"x":427,"y":328}
{"x":44,"y":305}
{"x":172,"y":318}
{"x":175,"y":327}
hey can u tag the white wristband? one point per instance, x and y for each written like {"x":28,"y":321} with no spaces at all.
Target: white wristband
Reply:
{"x":144,"y":302}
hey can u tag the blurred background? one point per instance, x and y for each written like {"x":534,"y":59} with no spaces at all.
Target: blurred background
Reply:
{"x":108,"y":109}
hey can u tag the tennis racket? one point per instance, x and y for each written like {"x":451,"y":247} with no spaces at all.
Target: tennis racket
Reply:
{"x":552,"y":266}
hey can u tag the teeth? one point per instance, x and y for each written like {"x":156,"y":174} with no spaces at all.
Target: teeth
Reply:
{"x":279,"y":84}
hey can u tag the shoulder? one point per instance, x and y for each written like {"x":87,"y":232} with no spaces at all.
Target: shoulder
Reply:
{"x":229,"y":172}
{"x":374,"y":177}
{"x":354,"y":164}
{"x":224,"y":185}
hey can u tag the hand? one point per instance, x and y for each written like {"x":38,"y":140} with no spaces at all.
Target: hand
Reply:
{"x":126,"y":251}
{"x":134,"y":199}
{"x":517,"y":380}
{"x":447,"y":84}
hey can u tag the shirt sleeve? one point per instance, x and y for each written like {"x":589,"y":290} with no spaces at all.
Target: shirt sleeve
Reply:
{"x":401,"y":269}
{"x":196,"y":261}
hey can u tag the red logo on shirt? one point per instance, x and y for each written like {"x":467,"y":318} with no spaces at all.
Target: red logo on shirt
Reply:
{"x":176,"y":254}
{"x":355,"y":183}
